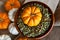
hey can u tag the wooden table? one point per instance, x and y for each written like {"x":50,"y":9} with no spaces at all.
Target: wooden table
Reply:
{"x":57,"y":15}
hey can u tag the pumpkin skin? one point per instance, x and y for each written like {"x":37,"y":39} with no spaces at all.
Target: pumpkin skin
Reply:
{"x":12,"y":4}
{"x":22,"y":39}
{"x":31,"y":16}
{"x":4,"y":20}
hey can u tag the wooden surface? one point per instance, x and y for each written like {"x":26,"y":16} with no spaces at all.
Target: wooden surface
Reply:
{"x":57,"y":15}
{"x":54,"y":35}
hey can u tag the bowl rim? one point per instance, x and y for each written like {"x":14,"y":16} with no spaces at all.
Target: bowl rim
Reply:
{"x":53,"y":19}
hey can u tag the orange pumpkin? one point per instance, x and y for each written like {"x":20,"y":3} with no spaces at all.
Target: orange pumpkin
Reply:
{"x":12,"y":4}
{"x":31,"y":16}
{"x":22,"y":38}
{"x":4,"y":20}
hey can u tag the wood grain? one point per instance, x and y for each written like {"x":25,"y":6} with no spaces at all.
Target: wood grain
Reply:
{"x":54,"y":35}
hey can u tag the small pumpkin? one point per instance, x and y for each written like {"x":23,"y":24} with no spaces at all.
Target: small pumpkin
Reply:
{"x":12,"y":4}
{"x":31,"y":16}
{"x":4,"y":20}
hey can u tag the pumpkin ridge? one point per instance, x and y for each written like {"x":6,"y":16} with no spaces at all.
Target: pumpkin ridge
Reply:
{"x":39,"y":13}
{"x":35,"y":9}
{"x":25,"y":19}
{"x":24,"y":15}
{"x":33,"y":21}
{"x":32,"y":9}
{"x":29,"y":22}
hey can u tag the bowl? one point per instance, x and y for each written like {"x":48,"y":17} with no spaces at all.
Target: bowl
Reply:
{"x":51,"y":22}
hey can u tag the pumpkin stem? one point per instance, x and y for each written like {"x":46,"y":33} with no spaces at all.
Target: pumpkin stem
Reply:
{"x":33,"y":14}
{"x":12,"y":4}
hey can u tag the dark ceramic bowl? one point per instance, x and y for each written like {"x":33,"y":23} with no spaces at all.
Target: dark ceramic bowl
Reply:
{"x":51,"y":24}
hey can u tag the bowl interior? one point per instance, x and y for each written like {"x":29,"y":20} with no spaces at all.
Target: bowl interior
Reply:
{"x":52,"y":18}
